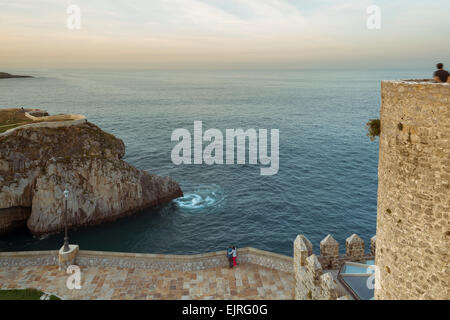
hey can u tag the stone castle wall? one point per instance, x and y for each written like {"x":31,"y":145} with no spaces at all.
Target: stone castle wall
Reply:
{"x":413,"y":230}
{"x":315,"y":276}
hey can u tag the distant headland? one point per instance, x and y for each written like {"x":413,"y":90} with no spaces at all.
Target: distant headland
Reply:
{"x":4,"y":75}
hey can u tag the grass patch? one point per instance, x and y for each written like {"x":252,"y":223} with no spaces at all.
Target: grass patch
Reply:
{"x":23,"y":294}
{"x":11,"y":118}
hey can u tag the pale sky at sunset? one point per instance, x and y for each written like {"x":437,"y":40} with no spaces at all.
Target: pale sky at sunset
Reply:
{"x":224,"y":34}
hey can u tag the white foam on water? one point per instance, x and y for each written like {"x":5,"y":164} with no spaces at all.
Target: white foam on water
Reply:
{"x":202,"y":197}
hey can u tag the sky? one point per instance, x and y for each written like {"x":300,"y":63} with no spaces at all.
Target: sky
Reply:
{"x":224,"y":34}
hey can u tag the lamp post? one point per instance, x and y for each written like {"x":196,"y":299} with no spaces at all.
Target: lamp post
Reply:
{"x":66,"y":237}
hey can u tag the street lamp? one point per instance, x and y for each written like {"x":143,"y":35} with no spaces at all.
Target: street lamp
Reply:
{"x":66,"y":237}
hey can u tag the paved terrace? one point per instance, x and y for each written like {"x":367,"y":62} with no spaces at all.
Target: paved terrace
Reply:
{"x":260,"y":275}
{"x":242,"y":282}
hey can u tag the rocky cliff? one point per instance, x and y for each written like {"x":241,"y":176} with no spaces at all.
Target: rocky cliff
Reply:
{"x":38,"y":162}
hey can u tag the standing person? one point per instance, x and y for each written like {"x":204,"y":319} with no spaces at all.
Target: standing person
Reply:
{"x":441,"y":75}
{"x":230,"y":256}
{"x":234,"y":256}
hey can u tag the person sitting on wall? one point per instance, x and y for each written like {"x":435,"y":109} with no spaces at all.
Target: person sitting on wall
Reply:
{"x":441,"y":75}
{"x":230,"y":256}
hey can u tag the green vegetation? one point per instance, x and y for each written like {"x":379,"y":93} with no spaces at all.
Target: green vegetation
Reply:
{"x":11,"y":118}
{"x":373,"y":128}
{"x":23,"y":294}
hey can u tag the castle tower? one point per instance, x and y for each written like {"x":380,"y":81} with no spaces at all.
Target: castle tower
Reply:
{"x":413,"y":222}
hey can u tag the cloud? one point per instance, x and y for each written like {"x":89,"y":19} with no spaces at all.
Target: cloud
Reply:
{"x":176,"y":33}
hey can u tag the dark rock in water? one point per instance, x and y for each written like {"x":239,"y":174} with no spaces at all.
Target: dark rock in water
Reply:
{"x":4,"y":75}
{"x":37,"y":163}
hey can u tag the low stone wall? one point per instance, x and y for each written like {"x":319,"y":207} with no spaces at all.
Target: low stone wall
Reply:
{"x":29,"y":258}
{"x":266,"y":259}
{"x":315,"y":276}
{"x":151,"y":261}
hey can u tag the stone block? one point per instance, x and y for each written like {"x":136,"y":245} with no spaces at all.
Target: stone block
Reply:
{"x":67,"y":258}
{"x":329,"y":251}
{"x":354,"y":247}
{"x":314,"y":267}
{"x":302,"y":249}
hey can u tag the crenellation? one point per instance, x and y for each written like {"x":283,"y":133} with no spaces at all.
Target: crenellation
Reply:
{"x":303,"y":249}
{"x":313,"y":275}
{"x":354,"y":247}
{"x":329,"y":251}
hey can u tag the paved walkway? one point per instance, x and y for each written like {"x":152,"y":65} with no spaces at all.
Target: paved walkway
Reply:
{"x":241,"y":282}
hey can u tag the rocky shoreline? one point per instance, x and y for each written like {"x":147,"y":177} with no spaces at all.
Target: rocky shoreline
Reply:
{"x":39,"y":161}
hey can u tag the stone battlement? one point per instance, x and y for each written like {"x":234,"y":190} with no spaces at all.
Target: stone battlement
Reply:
{"x":311,"y":280}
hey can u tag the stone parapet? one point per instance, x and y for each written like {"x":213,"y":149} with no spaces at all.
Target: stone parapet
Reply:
{"x":151,"y":261}
{"x":29,"y":258}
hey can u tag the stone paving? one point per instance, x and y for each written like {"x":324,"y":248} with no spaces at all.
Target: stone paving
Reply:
{"x":246,"y":281}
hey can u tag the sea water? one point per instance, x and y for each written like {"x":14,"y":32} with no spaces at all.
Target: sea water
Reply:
{"x":327,"y":178}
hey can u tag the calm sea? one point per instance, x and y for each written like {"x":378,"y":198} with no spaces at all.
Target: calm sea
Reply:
{"x":327,"y":180}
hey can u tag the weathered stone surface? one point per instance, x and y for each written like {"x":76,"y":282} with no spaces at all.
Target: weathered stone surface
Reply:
{"x":329,"y":287}
{"x":373,"y":245}
{"x":302,"y":249}
{"x":313,"y":266}
{"x":67,"y":258}
{"x":38,"y":163}
{"x":413,"y":231}
{"x":354,"y":246}
{"x":329,"y":251}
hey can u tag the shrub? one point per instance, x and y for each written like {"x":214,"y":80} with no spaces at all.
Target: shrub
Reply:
{"x":373,"y":128}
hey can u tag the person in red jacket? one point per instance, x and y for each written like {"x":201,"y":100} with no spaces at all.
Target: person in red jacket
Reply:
{"x":234,"y":256}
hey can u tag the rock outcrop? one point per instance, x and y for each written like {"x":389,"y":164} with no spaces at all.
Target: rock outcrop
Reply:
{"x":37,"y":163}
